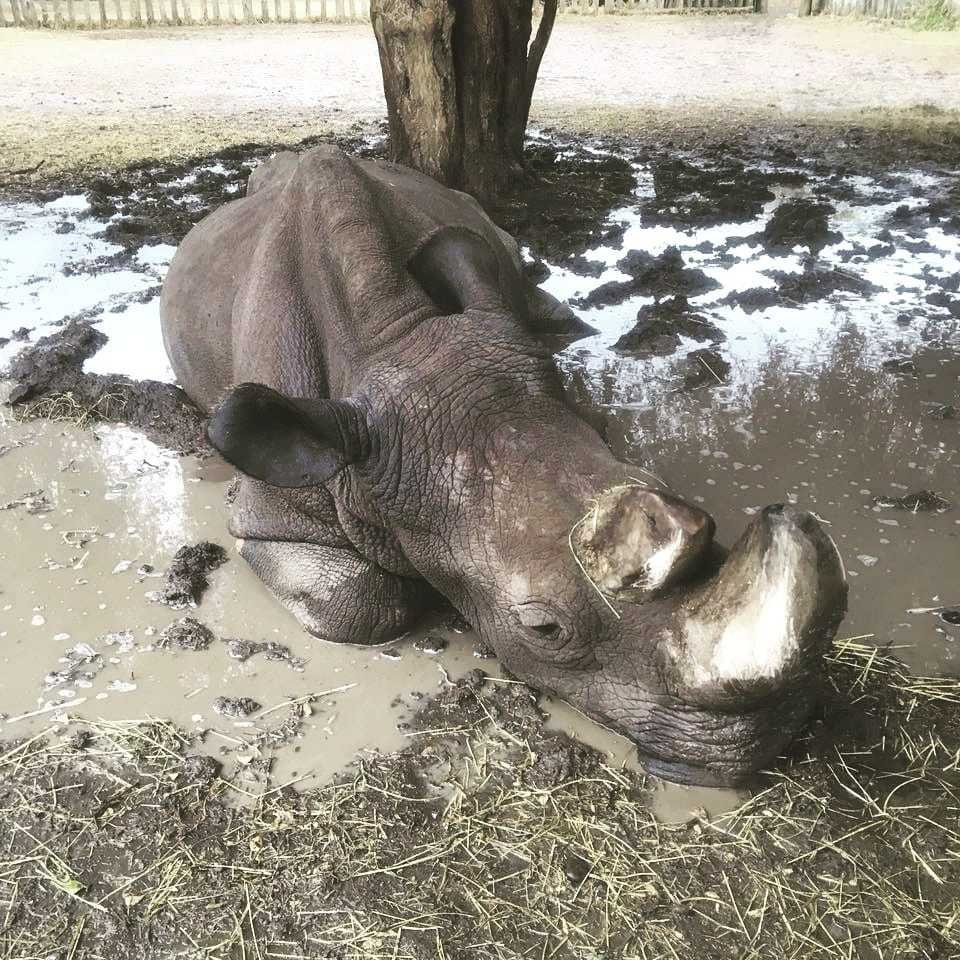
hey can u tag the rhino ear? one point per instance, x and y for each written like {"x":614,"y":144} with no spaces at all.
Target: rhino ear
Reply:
{"x":282,"y":441}
{"x":458,"y":269}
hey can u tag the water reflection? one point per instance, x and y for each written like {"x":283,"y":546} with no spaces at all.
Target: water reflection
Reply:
{"x":808,"y":411}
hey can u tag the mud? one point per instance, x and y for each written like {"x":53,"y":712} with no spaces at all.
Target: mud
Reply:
{"x":924,"y":501}
{"x":76,"y":584}
{"x":186,"y":579}
{"x":658,"y":277}
{"x":591,"y":185}
{"x":790,"y":401}
{"x":243,"y":650}
{"x":85,"y":258}
{"x":49,"y":382}
{"x":489,"y":828}
{"x":661,"y":326}
{"x":186,"y":634}
{"x":800,"y":222}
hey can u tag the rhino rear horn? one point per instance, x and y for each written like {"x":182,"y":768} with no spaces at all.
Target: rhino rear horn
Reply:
{"x":637,"y":541}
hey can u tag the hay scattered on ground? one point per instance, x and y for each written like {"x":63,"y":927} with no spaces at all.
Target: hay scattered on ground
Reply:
{"x":491,"y":837}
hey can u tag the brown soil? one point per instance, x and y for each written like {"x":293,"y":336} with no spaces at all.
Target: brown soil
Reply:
{"x":490,"y":836}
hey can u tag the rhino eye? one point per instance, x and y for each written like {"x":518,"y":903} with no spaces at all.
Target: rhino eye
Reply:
{"x":547,"y":631}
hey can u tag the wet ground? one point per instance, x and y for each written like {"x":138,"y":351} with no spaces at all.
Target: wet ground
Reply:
{"x":770,"y":329}
{"x":770,"y":325}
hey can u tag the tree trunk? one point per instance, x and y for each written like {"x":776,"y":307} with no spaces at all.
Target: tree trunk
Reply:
{"x":458,"y":77}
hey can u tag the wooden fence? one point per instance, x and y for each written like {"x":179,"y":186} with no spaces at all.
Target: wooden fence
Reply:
{"x":884,"y":9}
{"x":599,"y":7}
{"x":100,"y":14}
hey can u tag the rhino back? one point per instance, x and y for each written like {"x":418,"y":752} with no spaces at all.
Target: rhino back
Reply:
{"x":256,"y":293}
{"x":199,"y":292}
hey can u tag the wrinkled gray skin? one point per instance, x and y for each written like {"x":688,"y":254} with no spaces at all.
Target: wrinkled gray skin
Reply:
{"x":372,"y":357}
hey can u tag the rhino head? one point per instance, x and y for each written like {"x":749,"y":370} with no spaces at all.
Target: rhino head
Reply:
{"x":586,"y":580}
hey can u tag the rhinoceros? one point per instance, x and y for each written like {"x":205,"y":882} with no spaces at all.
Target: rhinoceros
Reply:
{"x":375,"y":367}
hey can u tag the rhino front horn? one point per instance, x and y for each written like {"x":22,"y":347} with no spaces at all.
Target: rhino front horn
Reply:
{"x":636,"y":541}
{"x":767,"y":617}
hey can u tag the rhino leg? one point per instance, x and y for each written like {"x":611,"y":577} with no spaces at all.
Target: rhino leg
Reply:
{"x":336,"y":593}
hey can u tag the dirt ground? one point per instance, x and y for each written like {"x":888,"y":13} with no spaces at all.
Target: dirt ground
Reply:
{"x":490,"y":835}
{"x":104,"y":99}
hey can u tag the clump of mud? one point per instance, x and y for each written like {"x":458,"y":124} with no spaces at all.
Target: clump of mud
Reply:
{"x":704,"y":368}
{"x":943,"y":411}
{"x":663,"y":276}
{"x":186,"y":634}
{"x":80,"y":666}
{"x":560,"y":208}
{"x":34,"y":502}
{"x":900,"y":366}
{"x":237,"y":707}
{"x":244,"y":650}
{"x":923,"y":501}
{"x":185,"y":581}
{"x":431,"y":644}
{"x":708,"y":192}
{"x":800,"y":222}
{"x":815,"y":282}
{"x":660,"y":326}
{"x":49,"y":383}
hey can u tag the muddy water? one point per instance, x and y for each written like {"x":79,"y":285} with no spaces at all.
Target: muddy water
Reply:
{"x":91,"y":519}
{"x":807,"y":413}
{"x":74,"y":595}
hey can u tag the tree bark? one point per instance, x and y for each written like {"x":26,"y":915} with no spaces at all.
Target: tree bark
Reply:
{"x":459,"y":77}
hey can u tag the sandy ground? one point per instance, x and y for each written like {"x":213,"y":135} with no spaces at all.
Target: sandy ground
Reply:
{"x":102,"y":99}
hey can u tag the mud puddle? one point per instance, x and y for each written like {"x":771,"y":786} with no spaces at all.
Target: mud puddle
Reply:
{"x":746,"y":356}
{"x":91,"y":520}
{"x":95,"y":519}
